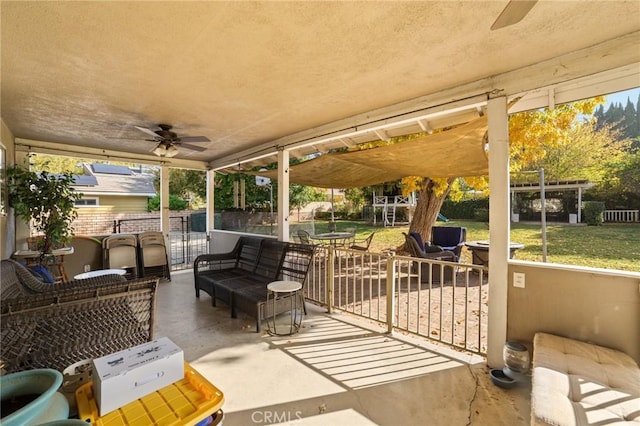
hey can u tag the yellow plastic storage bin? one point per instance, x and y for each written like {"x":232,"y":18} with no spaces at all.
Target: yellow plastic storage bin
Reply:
{"x":189,"y":401}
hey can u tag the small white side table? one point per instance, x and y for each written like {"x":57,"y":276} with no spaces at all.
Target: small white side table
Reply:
{"x":278,"y":290}
{"x":99,"y":273}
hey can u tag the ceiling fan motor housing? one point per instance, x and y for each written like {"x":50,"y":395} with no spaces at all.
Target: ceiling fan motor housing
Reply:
{"x":166,"y":133}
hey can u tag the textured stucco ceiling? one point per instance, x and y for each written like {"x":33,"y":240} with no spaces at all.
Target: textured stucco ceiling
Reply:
{"x":246,"y":73}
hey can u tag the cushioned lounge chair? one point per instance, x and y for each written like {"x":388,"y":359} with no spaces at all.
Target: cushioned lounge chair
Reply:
{"x":428,"y":270}
{"x":451,"y":238}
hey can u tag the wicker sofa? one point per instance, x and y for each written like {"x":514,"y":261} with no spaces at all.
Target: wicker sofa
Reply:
{"x":56,"y":325}
{"x":239,"y":278}
{"x":579,"y":383}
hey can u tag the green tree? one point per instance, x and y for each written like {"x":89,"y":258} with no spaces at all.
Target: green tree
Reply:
{"x":585,"y":153}
{"x":357,"y":196}
{"x":55,"y":164}
{"x":175,"y":203}
{"x":189,"y":185}
{"x":301,"y":195}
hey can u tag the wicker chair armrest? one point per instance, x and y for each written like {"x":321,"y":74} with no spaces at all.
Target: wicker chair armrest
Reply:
{"x":213,"y":261}
{"x":215,"y":257}
{"x":432,"y":248}
{"x":85,"y":283}
{"x":441,"y":255}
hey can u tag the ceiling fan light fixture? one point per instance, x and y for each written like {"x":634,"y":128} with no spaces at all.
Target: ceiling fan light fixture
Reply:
{"x":171,"y":151}
{"x":160,"y":150}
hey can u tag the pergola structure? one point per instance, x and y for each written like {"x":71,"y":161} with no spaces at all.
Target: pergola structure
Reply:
{"x":267,"y":81}
{"x":576,"y":185}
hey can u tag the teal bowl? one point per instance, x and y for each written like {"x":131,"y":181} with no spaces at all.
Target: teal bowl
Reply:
{"x":32,"y":398}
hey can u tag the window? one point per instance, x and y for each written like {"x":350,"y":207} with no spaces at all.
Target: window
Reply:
{"x":87,"y":202}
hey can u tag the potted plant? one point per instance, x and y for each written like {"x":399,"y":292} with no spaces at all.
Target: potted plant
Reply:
{"x":46,"y":201}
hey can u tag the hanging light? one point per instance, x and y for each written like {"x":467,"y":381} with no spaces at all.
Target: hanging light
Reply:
{"x":165,"y":149}
{"x":171,"y":151}
{"x":160,"y":150}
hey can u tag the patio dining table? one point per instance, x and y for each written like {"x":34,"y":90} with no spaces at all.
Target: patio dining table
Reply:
{"x":335,"y":239}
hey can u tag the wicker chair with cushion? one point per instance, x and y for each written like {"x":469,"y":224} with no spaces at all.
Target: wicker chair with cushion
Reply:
{"x":430,"y":271}
{"x":56,"y":325}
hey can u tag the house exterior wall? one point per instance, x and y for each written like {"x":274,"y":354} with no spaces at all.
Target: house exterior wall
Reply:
{"x":588,"y":304}
{"x":107,"y":222}
{"x":115,"y":204}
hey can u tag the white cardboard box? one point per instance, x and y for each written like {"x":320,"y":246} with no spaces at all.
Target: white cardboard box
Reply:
{"x":125,"y":376}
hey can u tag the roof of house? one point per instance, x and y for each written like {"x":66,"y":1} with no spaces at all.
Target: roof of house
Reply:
{"x":108,"y":179}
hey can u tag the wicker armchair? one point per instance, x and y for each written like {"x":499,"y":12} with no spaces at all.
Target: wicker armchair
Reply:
{"x":56,"y":325}
{"x":435,"y":273}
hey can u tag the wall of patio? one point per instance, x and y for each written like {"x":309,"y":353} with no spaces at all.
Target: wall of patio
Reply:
{"x":102,"y":223}
{"x":7,"y":232}
{"x":588,"y":304}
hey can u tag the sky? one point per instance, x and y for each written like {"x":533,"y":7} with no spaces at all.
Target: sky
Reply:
{"x":621,"y":97}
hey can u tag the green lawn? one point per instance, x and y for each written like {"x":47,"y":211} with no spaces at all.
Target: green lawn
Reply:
{"x":612,"y":246}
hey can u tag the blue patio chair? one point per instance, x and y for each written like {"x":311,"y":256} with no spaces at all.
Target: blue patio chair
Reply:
{"x":450,"y":238}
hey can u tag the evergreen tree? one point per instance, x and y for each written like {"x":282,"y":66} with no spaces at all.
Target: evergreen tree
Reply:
{"x":628,"y":124}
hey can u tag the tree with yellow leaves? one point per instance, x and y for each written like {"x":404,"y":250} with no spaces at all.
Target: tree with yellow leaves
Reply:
{"x":531,"y":136}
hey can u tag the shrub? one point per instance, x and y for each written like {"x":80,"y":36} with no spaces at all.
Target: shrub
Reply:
{"x":593,"y":212}
{"x":481,"y":215}
{"x":465,"y":209}
{"x":175,"y":203}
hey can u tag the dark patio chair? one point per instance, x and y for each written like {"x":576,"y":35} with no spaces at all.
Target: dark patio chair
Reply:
{"x":451,"y":238}
{"x":362,"y":244}
{"x":432,"y":252}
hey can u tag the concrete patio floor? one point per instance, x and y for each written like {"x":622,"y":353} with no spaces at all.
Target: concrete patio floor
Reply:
{"x":339,"y":370}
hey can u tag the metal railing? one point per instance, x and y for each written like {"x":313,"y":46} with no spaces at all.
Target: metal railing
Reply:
{"x":622,"y":215}
{"x":433,"y":299}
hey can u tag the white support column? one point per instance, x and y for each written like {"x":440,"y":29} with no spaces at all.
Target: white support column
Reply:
{"x":499,"y":221}
{"x":164,"y":202}
{"x":283,"y":195}
{"x":243,"y":193}
{"x":579,"y":204}
{"x":22,"y":228}
{"x":211,"y":180}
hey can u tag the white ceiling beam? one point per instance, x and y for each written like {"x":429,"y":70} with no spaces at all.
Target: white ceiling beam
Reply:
{"x":54,"y":148}
{"x":382,"y":134}
{"x":618,"y":80}
{"x":424,"y":125}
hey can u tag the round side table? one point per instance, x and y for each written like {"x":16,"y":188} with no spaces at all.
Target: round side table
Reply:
{"x":276,"y":293}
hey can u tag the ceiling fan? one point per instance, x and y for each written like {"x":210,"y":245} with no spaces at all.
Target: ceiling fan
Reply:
{"x":167,"y":140}
{"x":513,"y":13}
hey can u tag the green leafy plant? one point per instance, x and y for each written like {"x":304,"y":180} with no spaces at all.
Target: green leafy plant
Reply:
{"x":175,"y":203}
{"x":46,"y":201}
{"x":593,"y":212}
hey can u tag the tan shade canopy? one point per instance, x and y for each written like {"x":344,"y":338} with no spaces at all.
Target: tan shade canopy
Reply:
{"x":455,"y":153}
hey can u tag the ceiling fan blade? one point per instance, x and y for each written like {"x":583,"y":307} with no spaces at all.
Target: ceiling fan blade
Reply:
{"x":192,"y":147}
{"x":513,"y":13}
{"x":194,"y":139}
{"x":147,"y":131}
